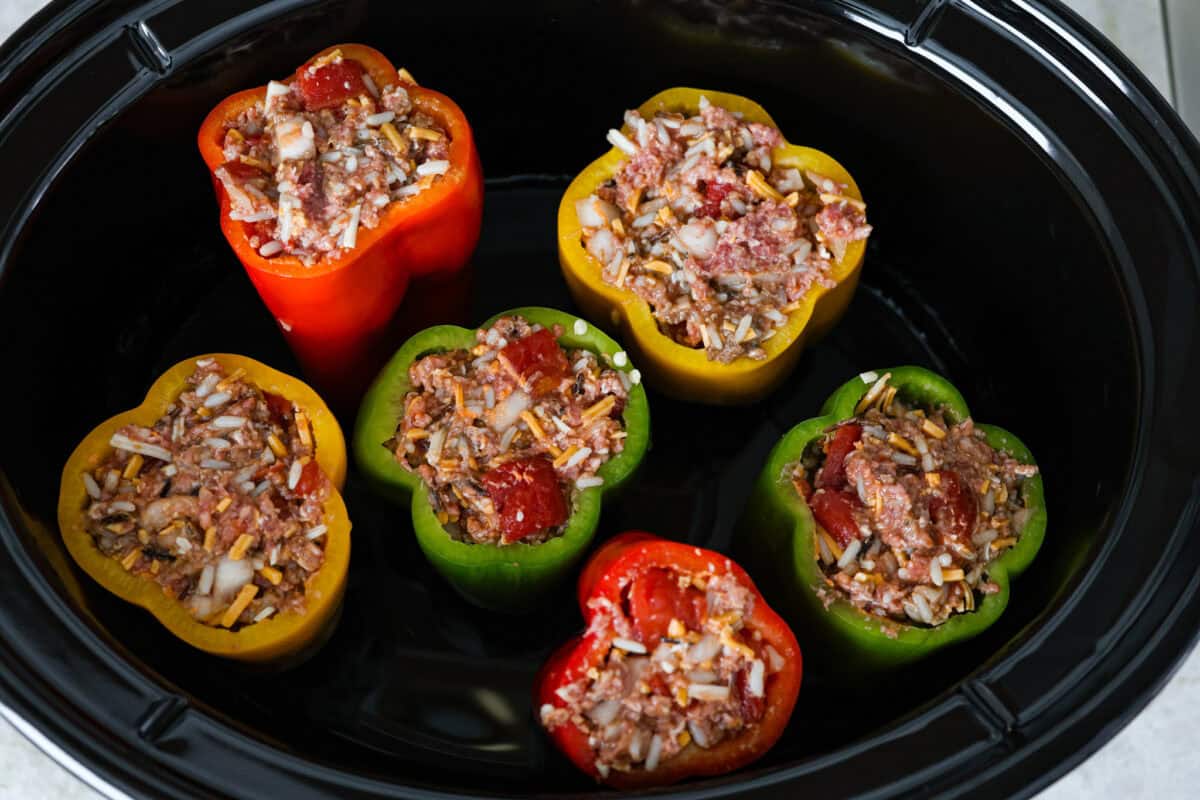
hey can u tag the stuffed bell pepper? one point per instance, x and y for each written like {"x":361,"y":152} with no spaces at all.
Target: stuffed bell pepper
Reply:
{"x":683,"y":669}
{"x":717,"y":246}
{"x":336,"y":187}
{"x":215,"y":506}
{"x":504,"y":440}
{"x":893,"y":524}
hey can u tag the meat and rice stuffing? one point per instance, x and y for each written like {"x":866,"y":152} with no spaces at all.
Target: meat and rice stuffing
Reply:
{"x":506,"y":433}
{"x":719,"y":240}
{"x":325,"y":155}
{"x":219,"y":501}
{"x":653,"y":696}
{"x":911,"y":509}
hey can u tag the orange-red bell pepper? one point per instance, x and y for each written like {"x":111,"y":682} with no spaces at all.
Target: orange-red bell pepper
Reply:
{"x":604,"y":587}
{"x":675,"y":369}
{"x":285,"y":636}
{"x":334,"y":314}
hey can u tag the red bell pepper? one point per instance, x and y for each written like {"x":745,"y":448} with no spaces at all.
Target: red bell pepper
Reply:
{"x":335,"y":313}
{"x":631,"y":582}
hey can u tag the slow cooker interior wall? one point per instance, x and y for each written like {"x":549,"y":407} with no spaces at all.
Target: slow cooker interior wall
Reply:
{"x":975,"y":234}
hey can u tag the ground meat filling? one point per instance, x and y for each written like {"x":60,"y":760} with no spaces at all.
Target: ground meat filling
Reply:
{"x":326,"y":155}
{"x":219,"y":501}
{"x":721,"y":242}
{"x":506,"y":433}
{"x":910,"y":509}
{"x":697,"y":682}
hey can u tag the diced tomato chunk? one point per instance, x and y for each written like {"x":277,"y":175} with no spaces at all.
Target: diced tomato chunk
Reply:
{"x":834,"y":511}
{"x":954,"y":508}
{"x":331,"y":84}
{"x":714,"y":193}
{"x":279,"y":407}
{"x":311,"y":479}
{"x":539,"y":360}
{"x":655,"y":598}
{"x":840,"y":444}
{"x":527,"y":497}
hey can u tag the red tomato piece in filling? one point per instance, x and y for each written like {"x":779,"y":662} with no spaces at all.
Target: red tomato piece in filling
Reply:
{"x":834,"y":511}
{"x":954,"y":509}
{"x":714,"y":193}
{"x":539,"y":360}
{"x":331,"y":84}
{"x":655,"y":598}
{"x":310,"y":479}
{"x":279,"y":407}
{"x":840,"y":444}
{"x":527,"y":497}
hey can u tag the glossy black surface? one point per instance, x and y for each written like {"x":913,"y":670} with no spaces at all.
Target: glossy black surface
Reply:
{"x":1033,"y":209}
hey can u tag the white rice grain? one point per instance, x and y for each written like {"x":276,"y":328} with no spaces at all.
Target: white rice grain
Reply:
{"x":621,"y":142}
{"x":204,"y":585}
{"x":294,"y":474}
{"x":437,"y":167}
{"x":654,"y":753}
{"x":775,"y":659}
{"x":317,"y":531}
{"x":706,"y":692}
{"x":93,"y":488}
{"x":704,"y":650}
{"x":756,"y":684}
{"x":369,"y":82}
{"x":123,"y":442}
{"x":629,"y":645}
{"x":578,"y":458}
{"x":742,"y":329}
{"x":849,"y":554}
{"x":228,"y":422}
{"x":698,"y":735}
{"x":350,"y":235}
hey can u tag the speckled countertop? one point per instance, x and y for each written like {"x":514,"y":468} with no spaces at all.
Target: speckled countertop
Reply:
{"x":1153,"y":757}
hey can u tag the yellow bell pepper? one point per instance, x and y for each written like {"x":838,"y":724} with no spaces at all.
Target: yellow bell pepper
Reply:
{"x":286,"y":635}
{"x":675,"y":369}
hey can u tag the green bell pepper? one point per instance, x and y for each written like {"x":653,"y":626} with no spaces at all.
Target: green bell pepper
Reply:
{"x":776,"y":535}
{"x":511,"y":577}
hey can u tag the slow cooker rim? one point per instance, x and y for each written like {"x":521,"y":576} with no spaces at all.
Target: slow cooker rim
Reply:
{"x":42,"y":28}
